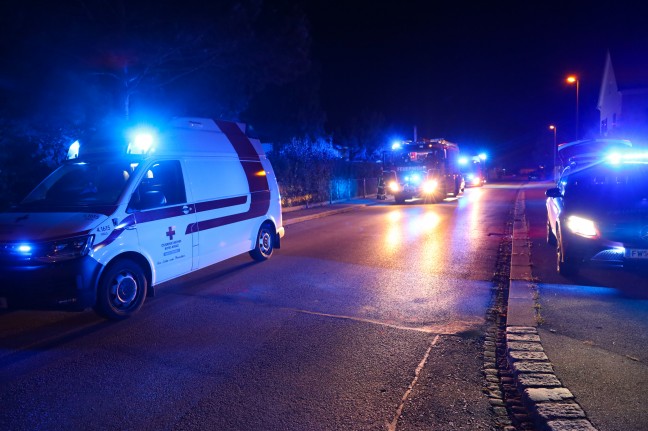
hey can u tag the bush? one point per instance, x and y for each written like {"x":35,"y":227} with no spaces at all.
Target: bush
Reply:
{"x":311,"y":171}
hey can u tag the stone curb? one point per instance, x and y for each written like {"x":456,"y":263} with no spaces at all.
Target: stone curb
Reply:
{"x":553,"y":406}
{"x":323,"y":209}
{"x":321,"y":214}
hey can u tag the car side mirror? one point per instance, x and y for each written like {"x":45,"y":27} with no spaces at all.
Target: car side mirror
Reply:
{"x":554,"y":193}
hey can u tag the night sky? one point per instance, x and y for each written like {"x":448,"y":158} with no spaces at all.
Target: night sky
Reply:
{"x":488,"y":75}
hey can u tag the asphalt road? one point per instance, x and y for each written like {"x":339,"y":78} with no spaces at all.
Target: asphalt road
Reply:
{"x":367,"y":320}
{"x":595,"y":329}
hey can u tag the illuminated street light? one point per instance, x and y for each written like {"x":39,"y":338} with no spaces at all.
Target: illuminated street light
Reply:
{"x":574,"y":79}
{"x":555,"y":151}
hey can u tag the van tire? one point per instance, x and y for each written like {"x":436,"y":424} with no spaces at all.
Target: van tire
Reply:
{"x":264,"y":244}
{"x":121,"y":291}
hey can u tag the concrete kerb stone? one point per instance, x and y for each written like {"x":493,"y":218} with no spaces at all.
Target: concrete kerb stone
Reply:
{"x":320,"y":210}
{"x":552,"y":405}
{"x":316,"y":215}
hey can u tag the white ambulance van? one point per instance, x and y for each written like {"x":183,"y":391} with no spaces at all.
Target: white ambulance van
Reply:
{"x":118,"y":218}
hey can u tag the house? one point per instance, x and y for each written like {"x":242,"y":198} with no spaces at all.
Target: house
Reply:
{"x":623,"y":98}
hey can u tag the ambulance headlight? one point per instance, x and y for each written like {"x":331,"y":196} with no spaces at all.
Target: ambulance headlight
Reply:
{"x":430,"y":186}
{"x":63,"y":249}
{"x":393,"y":186}
{"x":582,"y":227}
{"x":24,"y":248}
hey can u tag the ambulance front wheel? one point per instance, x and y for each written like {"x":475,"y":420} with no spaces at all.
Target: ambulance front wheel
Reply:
{"x":121,"y":291}
{"x":264,"y":245}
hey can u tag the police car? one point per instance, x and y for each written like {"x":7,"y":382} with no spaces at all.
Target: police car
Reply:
{"x":598,"y":212}
{"x":121,"y":216}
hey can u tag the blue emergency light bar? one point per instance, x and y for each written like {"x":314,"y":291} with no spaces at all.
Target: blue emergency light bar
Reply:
{"x":618,"y":158}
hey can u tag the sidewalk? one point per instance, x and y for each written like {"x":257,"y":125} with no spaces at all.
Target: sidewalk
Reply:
{"x":553,"y":405}
{"x":299,"y":214}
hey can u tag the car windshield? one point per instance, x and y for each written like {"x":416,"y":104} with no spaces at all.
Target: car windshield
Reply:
{"x":628,"y":182}
{"x":82,"y":184}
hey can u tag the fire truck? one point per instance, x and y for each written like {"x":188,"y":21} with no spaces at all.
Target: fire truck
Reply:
{"x":473,"y":171}
{"x":426,"y":169}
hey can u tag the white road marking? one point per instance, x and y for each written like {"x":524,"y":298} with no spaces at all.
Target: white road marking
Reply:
{"x":443,"y":329}
{"x":391,"y":426}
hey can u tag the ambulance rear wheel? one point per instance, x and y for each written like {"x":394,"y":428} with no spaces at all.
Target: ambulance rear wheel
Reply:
{"x":121,"y":291}
{"x":264,"y":245}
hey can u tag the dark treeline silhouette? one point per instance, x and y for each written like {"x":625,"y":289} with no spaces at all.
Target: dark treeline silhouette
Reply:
{"x":74,"y":66}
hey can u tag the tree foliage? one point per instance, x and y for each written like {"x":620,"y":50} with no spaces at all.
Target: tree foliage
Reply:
{"x":123,"y":56}
{"x":77,"y":65}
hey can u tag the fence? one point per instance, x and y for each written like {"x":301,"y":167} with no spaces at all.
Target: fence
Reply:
{"x":338,"y":189}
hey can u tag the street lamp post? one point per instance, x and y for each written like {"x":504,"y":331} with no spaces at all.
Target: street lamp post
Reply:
{"x":555,"y":151}
{"x":574,"y":79}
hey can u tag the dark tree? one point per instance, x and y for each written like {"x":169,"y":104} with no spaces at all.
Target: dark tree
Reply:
{"x":74,"y":65}
{"x":363,"y":135}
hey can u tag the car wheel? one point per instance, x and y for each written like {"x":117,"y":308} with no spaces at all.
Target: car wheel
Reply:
{"x":264,"y":245}
{"x":566,"y":264}
{"x":399,"y":199}
{"x":551,"y":238}
{"x":121,"y":291}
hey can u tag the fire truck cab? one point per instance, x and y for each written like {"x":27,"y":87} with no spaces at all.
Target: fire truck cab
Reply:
{"x":426,"y":169}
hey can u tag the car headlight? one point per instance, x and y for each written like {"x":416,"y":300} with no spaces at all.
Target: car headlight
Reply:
{"x":582,"y":226}
{"x":393,"y":186}
{"x":430,"y":186}
{"x":63,"y":249}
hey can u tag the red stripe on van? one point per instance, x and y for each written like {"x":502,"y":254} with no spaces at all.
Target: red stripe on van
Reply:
{"x":254,"y":172}
{"x":258,"y":207}
{"x":220,"y":203}
{"x":239,"y":140}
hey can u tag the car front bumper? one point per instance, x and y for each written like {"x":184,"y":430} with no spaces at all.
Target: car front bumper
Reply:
{"x":69,"y":285}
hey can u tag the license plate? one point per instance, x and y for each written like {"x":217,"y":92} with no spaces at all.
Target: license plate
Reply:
{"x":637,"y":253}
{"x":3,"y":303}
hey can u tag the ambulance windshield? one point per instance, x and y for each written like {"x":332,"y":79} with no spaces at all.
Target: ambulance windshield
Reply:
{"x":82,"y":184}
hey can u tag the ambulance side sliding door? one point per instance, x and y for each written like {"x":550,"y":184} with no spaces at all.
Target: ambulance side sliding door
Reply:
{"x":222,"y":198}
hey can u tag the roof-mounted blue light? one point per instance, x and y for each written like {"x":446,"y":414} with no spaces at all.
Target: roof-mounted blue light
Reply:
{"x":397,"y":146}
{"x":141,"y":142}
{"x":73,"y":150}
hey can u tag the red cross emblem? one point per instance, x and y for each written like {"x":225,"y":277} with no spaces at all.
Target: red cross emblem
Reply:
{"x":170,"y":232}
